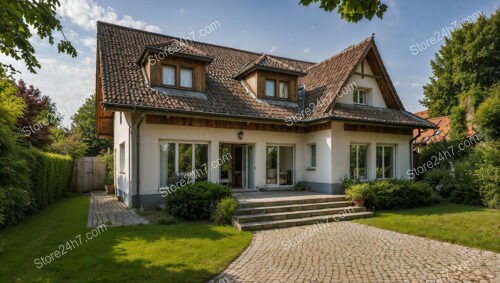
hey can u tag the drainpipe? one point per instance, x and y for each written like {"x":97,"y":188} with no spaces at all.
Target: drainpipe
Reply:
{"x":137,"y":132}
{"x":411,"y":147}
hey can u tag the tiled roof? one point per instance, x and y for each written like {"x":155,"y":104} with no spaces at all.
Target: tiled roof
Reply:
{"x":441,"y":133}
{"x":266,"y":62}
{"x":174,"y":46}
{"x":124,"y":84}
{"x":377,"y":115}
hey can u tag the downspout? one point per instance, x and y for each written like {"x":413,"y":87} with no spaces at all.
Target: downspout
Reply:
{"x":411,"y":147}
{"x":138,"y":155}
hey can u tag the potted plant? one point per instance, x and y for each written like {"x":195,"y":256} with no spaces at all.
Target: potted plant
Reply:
{"x":109,"y":180}
{"x":358,"y":193}
{"x":109,"y":184}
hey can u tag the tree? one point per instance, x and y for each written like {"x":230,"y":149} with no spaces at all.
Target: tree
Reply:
{"x":84,"y":123}
{"x":35,"y":128}
{"x":351,"y":10}
{"x":64,"y":141}
{"x":487,"y":116}
{"x":17,"y":17}
{"x":465,"y":67}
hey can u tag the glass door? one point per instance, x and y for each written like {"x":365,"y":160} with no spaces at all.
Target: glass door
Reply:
{"x":279,"y":165}
{"x":248,"y":167}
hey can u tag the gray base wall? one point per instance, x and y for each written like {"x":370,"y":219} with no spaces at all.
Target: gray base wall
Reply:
{"x":326,"y":188}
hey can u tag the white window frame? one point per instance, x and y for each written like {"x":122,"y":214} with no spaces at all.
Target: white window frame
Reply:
{"x":383,"y":146}
{"x":310,"y":151}
{"x":356,"y":96}
{"x":356,"y":175}
{"x":193,"y":158}
{"x":121,"y":162}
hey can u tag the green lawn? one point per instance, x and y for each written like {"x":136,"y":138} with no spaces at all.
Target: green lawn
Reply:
{"x":466,"y":225}
{"x":184,"y":252}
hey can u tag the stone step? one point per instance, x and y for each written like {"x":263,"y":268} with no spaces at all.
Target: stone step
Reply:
{"x":274,"y":224}
{"x":291,"y":207}
{"x":242,"y":203}
{"x":296,"y":214}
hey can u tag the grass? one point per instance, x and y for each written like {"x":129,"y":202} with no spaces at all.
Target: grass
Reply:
{"x":183,"y":252}
{"x":466,"y":225}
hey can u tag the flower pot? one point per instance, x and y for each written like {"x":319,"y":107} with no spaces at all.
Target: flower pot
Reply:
{"x":359,"y":202}
{"x":110,"y":189}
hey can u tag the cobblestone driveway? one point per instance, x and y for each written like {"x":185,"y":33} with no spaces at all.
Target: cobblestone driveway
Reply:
{"x":106,"y":209}
{"x":350,"y":252}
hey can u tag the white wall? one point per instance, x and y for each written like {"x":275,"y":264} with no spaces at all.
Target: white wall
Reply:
{"x":121,"y":135}
{"x":340,"y":151}
{"x":151,"y":134}
{"x":374,"y":98}
{"x":322,"y":172}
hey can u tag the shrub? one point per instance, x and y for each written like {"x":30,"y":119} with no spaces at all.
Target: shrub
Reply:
{"x":487,"y":173}
{"x":358,"y":191}
{"x":441,"y":180}
{"x":167,"y":220}
{"x":14,"y":204}
{"x":195,"y":201}
{"x":224,"y":211}
{"x":487,"y":116}
{"x":389,"y":194}
{"x":107,"y":158}
{"x":300,"y":186}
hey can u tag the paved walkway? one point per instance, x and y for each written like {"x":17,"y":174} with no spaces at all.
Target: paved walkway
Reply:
{"x":351,"y":252}
{"x":106,"y":209}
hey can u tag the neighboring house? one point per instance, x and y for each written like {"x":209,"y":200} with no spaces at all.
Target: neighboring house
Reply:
{"x":432,"y":135}
{"x":246,"y":119}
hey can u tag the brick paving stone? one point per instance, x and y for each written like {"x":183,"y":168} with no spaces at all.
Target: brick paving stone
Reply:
{"x":351,"y":252}
{"x":106,"y":209}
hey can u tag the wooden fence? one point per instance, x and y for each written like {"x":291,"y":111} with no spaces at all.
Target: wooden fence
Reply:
{"x":89,"y":174}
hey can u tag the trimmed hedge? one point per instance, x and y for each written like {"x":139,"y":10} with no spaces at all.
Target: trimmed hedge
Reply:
{"x":195,"y":201}
{"x":394,"y":193}
{"x":48,"y":177}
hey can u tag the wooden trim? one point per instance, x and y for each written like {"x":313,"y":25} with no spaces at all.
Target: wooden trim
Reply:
{"x":367,"y":75}
{"x":377,"y":129}
{"x":224,"y":124}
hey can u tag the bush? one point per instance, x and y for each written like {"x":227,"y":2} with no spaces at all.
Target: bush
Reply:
{"x":195,"y":201}
{"x":358,"y":191}
{"x":107,"y":158}
{"x":487,"y":173}
{"x":300,"y":186}
{"x":487,"y":116}
{"x":14,"y":204}
{"x":389,"y":194}
{"x":167,"y":220}
{"x":224,"y":211}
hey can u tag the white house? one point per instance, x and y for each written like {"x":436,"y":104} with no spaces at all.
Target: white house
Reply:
{"x":179,"y":109}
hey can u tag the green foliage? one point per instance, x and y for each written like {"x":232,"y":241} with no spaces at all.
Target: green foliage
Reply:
{"x":351,"y":10}
{"x":358,"y":191}
{"x":487,"y":173}
{"x":195,"y":201}
{"x":393,"y":193}
{"x":84,"y":125}
{"x":110,"y":167}
{"x":487,"y":117}
{"x":17,"y":18}
{"x":167,"y":220}
{"x":66,"y":142}
{"x":465,"y":67}
{"x":14,"y":204}
{"x":301,"y":186}
{"x":224,"y":211}
{"x":458,"y":128}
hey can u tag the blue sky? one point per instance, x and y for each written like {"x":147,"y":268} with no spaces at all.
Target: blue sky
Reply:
{"x":282,"y":28}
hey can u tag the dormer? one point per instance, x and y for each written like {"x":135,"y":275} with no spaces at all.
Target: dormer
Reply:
{"x":270,"y":78}
{"x":174,"y":64}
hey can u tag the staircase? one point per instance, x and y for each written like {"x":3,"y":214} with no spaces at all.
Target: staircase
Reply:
{"x":287,"y":211}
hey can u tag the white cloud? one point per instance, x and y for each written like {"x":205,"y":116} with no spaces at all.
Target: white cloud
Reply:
{"x":397,"y":83}
{"x":85,"y":13}
{"x":274,"y":48}
{"x":416,"y":84}
{"x":306,"y":50}
{"x":89,"y":42}
{"x":183,"y":11}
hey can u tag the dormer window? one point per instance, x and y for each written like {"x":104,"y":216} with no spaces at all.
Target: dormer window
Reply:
{"x":168,"y":75}
{"x":360,"y":96}
{"x":187,"y":77}
{"x":283,"y":91}
{"x":270,"y":88}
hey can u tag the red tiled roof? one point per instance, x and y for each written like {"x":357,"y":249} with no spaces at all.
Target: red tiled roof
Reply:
{"x":266,"y":62}
{"x":124,"y":85}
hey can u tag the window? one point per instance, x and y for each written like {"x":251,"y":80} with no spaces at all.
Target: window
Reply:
{"x":122,"y":158}
{"x":359,"y":96}
{"x":283,"y":90}
{"x":121,"y":118}
{"x":385,"y":161}
{"x":168,"y":75}
{"x":270,"y":88}
{"x":312,"y":155}
{"x":183,"y":161}
{"x":186,"y":77}
{"x":358,"y":161}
